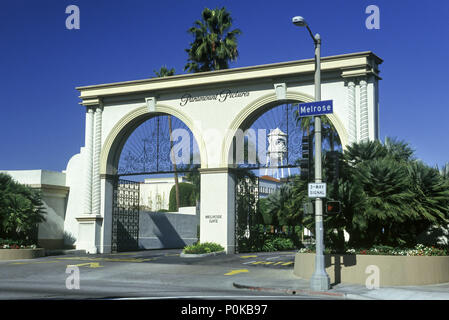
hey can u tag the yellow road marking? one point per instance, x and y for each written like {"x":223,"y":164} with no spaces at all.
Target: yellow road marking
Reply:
{"x":283,"y":263}
{"x":35,"y":262}
{"x":90,"y":264}
{"x":246,"y":257}
{"x":236,"y":272}
{"x":108,"y":259}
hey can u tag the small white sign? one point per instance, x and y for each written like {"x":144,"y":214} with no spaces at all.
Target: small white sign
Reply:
{"x":317,"y":190}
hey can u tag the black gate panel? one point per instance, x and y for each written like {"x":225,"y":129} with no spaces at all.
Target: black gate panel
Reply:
{"x":125,"y":216}
{"x":246,"y":198}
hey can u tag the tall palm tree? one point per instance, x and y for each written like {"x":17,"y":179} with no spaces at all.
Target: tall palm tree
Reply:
{"x":165,"y":72}
{"x":214,"y":44}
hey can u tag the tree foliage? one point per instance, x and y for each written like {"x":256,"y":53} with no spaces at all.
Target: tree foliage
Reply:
{"x":186,"y":196}
{"x":214,"y":44}
{"x":388,"y":197}
{"x":21,"y":210}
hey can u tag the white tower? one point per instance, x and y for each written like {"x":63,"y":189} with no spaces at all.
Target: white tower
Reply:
{"x":277,"y":153}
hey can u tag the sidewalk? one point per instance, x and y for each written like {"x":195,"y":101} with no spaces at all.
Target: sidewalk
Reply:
{"x":290,"y":284}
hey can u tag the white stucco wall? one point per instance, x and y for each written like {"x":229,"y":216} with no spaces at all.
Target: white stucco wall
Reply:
{"x":75,"y":179}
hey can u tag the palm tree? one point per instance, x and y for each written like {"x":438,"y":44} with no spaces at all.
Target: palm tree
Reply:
{"x":214,"y":44}
{"x":165,"y":72}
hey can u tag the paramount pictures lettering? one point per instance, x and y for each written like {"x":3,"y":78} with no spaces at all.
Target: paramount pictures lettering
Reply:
{"x":220,"y":97}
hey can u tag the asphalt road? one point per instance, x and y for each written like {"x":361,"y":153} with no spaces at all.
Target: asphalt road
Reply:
{"x":150,"y":274}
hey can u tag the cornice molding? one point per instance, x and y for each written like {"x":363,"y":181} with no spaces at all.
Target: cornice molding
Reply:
{"x":364,"y":62}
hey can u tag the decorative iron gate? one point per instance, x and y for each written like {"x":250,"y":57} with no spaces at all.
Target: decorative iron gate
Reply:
{"x":246,"y":213}
{"x":125,"y":216}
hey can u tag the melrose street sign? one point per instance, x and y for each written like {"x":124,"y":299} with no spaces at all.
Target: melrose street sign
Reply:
{"x":315,"y":108}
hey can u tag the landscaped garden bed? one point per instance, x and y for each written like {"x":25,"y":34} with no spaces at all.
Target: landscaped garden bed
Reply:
{"x":397,"y":267}
{"x":202,"y":250}
{"x":13,"y":251}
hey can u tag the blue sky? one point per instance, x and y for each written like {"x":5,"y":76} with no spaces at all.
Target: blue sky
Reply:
{"x":41,"y":62}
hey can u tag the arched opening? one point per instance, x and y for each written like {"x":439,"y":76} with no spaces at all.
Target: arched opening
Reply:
{"x":272,"y":155}
{"x":154,"y":159}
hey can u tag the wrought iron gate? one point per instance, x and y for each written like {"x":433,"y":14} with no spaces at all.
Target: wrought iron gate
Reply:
{"x":125,"y":215}
{"x":246,"y":198}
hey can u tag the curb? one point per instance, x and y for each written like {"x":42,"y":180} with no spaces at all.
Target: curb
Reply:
{"x":201,"y":255}
{"x":58,"y":252}
{"x":292,"y":291}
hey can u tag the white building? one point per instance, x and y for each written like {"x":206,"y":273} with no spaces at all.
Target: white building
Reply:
{"x":268,"y":185}
{"x":155,"y":192}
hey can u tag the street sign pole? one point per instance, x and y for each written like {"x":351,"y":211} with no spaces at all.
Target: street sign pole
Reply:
{"x":320,"y":280}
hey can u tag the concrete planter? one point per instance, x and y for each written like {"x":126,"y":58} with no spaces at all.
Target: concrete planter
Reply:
{"x":18,"y":254}
{"x":201,"y":255}
{"x":393,"y":270}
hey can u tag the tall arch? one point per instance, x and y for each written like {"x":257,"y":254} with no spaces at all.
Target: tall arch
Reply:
{"x":119,"y":134}
{"x":262,"y":104}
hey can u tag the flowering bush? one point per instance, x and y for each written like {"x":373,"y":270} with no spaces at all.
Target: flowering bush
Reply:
{"x":418,"y":250}
{"x":15,"y":244}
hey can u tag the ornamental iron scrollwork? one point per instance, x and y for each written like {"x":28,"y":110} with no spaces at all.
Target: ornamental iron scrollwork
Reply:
{"x":125,"y":216}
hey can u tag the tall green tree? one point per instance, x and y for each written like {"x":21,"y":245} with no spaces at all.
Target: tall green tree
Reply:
{"x":214,"y":44}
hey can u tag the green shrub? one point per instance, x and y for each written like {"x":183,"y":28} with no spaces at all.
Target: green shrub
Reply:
{"x":418,"y":250}
{"x":206,"y":247}
{"x":21,"y":210}
{"x":186,"y":196}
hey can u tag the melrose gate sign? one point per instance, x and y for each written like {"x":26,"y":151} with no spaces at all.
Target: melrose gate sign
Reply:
{"x":214,"y":106}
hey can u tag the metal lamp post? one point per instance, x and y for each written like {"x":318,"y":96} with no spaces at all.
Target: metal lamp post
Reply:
{"x":320,"y":280}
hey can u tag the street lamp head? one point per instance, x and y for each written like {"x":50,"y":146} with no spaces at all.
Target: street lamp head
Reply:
{"x":299,"y":21}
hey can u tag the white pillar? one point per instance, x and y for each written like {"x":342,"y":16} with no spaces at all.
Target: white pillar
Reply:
{"x":90,"y":223}
{"x":364,"y":128}
{"x":217,"y":217}
{"x":352,"y":114}
{"x":88,"y":161}
{"x":96,"y":187}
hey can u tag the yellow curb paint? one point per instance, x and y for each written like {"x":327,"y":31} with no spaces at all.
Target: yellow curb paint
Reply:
{"x":287,"y":263}
{"x":90,"y":264}
{"x":231,"y":273}
{"x":246,"y":257}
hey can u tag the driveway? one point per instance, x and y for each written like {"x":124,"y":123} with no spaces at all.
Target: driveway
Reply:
{"x":144,"y":274}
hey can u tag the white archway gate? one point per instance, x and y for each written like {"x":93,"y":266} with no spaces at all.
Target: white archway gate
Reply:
{"x":213,"y":105}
